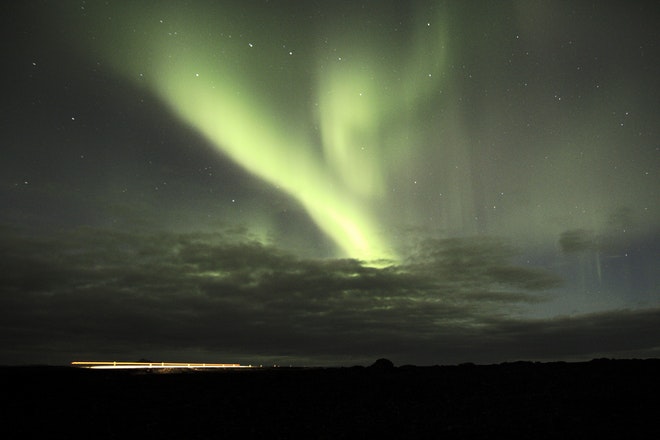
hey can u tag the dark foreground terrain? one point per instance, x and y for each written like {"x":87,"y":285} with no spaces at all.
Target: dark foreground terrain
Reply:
{"x":553,"y":400}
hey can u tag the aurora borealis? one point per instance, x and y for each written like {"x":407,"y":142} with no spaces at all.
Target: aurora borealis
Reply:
{"x":229,"y":78}
{"x":301,"y":182}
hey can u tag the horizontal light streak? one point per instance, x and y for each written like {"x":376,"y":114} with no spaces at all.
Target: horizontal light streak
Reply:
{"x":116,"y":365}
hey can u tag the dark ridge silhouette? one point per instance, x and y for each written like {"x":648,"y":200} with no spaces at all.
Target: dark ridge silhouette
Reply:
{"x":613,"y":398}
{"x":382,"y":364}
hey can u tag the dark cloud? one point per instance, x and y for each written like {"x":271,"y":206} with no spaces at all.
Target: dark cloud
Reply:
{"x":108,"y":293}
{"x":597,"y":334}
{"x":577,"y":240}
{"x":474,"y":262}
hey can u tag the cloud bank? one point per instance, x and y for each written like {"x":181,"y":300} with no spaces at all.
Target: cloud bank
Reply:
{"x":92,"y":293}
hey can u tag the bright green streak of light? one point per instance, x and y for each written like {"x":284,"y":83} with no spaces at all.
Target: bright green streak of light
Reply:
{"x":216,"y":85}
{"x":238,"y":126}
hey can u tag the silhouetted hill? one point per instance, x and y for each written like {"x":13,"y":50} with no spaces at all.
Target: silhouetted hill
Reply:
{"x":539,"y":400}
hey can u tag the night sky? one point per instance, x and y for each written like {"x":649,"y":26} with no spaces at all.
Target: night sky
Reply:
{"x":329,"y":182}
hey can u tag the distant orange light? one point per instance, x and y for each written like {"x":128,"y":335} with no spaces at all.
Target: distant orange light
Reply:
{"x":146,"y":365}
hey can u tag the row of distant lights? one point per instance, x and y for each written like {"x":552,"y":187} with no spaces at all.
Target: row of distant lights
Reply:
{"x":148,"y":365}
{"x":116,"y":365}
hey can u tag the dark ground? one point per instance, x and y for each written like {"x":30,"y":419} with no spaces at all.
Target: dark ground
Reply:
{"x":552,"y":400}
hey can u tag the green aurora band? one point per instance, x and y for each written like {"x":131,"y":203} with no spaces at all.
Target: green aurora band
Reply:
{"x":236,"y":83}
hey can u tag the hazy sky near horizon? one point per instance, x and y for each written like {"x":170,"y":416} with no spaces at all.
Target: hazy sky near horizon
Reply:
{"x":329,"y":182}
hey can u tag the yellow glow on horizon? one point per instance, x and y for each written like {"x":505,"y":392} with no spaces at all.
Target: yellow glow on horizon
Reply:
{"x":116,"y":365}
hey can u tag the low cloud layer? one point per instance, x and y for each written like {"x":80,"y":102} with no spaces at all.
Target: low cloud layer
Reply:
{"x":222,"y":297}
